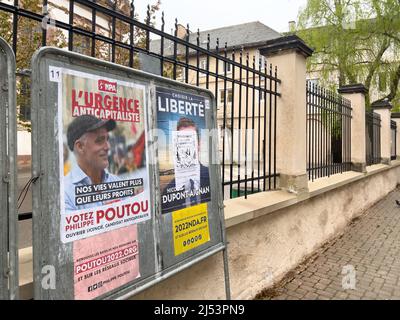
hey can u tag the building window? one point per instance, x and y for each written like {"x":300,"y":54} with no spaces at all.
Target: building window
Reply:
{"x":262,"y":66}
{"x":313,"y":84}
{"x":262,"y":95}
{"x":203,"y":64}
{"x":226,"y":66}
{"x":313,"y":81}
{"x":228,"y":97}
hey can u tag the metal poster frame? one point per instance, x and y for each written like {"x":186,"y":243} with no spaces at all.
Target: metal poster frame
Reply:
{"x":156,"y":258}
{"x":8,"y":158}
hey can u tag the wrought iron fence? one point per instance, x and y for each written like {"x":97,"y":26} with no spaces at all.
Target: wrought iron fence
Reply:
{"x":245,"y":88}
{"x":372,"y":137}
{"x":328,"y":128}
{"x":393,"y":147}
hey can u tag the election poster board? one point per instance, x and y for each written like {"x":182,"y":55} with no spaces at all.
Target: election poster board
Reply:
{"x":116,"y":151}
{"x":186,"y":157}
{"x":183,"y":156}
{"x":101,"y":230}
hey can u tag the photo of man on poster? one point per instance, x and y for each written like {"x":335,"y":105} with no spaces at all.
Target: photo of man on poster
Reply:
{"x":191,"y":177}
{"x":88,"y":139}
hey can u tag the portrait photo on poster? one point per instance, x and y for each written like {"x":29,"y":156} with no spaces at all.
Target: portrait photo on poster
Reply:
{"x":183,"y":155}
{"x":105,"y":183}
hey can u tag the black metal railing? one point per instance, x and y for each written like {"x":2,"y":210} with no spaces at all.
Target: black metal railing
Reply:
{"x":328,"y":128}
{"x":245,"y":88}
{"x":393,"y":147}
{"x":372,"y":137}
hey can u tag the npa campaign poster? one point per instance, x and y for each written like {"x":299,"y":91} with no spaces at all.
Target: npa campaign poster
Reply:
{"x":105,"y":187}
{"x":183,"y":155}
{"x":106,"y":263}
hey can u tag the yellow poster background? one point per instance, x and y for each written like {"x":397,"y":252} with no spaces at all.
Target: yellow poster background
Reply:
{"x":190,"y":228}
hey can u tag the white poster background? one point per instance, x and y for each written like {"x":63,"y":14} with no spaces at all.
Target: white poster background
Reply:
{"x":56,"y":75}
{"x":186,"y":159}
{"x":86,"y":223}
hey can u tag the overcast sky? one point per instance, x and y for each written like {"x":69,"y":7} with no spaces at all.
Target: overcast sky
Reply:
{"x":211,"y":14}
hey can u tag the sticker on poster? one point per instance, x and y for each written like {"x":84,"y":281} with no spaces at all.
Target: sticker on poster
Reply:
{"x":183,"y":155}
{"x":190,"y":228}
{"x":105,"y":262}
{"x":103,"y":154}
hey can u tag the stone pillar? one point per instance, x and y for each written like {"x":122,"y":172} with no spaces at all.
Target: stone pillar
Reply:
{"x":289,"y":54}
{"x":396,"y":117}
{"x":383,"y":109}
{"x":356,"y":94}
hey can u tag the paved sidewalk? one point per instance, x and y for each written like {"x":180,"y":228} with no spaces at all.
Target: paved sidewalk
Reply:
{"x":370,"y":246}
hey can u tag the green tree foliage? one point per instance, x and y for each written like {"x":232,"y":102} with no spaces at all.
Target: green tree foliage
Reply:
{"x":355,"y":41}
{"x":29,"y":33}
{"x":30,"y":36}
{"x":29,"y":39}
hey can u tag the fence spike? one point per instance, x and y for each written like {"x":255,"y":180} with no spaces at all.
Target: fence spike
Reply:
{"x":148,"y":15}
{"x":162,"y":21}
{"x":187,"y":32}
{"x":176,"y":27}
{"x":132,"y":10}
{"x":265,"y":65}
{"x":198,"y":37}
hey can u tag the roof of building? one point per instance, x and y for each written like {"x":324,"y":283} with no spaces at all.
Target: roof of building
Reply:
{"x":245,"y":35}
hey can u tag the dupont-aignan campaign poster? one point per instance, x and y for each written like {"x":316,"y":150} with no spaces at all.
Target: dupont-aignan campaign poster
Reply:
{"x":183,"y":155}
{"x":105,"y":186}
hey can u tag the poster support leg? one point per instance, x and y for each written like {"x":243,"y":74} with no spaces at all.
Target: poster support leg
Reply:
{"x":9,"y":286}
{"x":226,"y":274}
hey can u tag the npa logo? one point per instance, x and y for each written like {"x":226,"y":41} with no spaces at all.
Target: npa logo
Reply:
{"x":107,"y":86}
